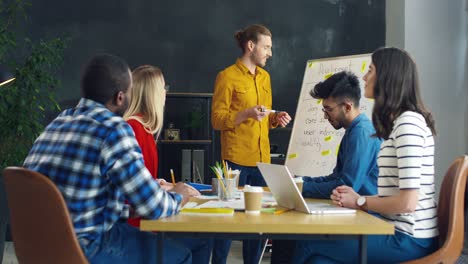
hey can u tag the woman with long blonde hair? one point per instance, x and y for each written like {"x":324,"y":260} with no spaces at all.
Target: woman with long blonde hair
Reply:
{"x":145,"y":116}
{"x":146,"y":110}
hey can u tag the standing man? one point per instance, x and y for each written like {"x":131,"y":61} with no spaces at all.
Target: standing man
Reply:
{"x":356,"y":164}
{"x":241,"y":103}
{"x":92,"y":156}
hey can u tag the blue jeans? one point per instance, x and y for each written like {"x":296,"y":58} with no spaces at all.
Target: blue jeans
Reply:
{"x":251,"y":249}
{"x":126,"y":244}
{"x":380,"y":249}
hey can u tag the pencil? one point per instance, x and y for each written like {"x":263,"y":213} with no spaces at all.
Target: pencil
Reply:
{"x":280,"y":211}
{"x":172,"y":176}
{"x":220,"y":180}
{"x":226,"y":176}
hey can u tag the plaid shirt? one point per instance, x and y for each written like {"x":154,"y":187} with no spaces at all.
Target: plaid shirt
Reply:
{"x":93,"y":158}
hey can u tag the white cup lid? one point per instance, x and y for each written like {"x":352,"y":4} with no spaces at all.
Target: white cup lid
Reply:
{"x":248,"y":188}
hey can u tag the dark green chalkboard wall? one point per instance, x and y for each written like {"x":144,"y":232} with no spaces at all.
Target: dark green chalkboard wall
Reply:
{"x":192,"y":40}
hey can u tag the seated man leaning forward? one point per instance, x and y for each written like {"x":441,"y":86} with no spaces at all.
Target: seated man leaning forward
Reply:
{"x":91,"y":155}
{"x":356,"y":164}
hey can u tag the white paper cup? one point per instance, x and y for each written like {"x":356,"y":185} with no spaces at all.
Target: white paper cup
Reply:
{"x":253,"y":199}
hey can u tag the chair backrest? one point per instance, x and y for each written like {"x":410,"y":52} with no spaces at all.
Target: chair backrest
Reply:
{"x":450,"y":213}
{"x":41,"y":227}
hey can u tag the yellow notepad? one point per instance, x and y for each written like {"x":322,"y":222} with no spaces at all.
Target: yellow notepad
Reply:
{"x":208,"y":211}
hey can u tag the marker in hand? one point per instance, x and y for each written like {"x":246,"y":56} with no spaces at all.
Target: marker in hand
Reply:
{"x":269,"y":110}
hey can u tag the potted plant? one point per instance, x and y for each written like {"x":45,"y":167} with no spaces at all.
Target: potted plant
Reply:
{"x":24,"y":102}
{"x":194,"y":122}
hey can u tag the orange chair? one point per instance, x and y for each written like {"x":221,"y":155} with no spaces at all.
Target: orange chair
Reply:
{"x":450,"y":215}
{"x":40,"y":223}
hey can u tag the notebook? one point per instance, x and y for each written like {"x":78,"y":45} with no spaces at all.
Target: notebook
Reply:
{"x":284,"y":189}
{"x":208,"y":211}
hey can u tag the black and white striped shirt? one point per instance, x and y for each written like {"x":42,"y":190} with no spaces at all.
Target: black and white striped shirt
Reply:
{"x":406,"y":161}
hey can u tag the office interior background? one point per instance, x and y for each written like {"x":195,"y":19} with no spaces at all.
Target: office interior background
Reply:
{"x":193,"y":40}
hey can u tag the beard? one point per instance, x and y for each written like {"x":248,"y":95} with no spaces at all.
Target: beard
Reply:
{"x":338,"y":122}
{"x":258,"y":59}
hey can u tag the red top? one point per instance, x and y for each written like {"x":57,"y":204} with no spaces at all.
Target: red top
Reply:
{"x":150,"y":155}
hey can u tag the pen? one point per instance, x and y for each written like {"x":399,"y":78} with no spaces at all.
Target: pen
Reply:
{"x":172,"y":176}
{"x":269,"y":110}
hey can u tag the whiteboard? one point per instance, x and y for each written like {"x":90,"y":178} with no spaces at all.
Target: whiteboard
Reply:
{"x":314,"y":143}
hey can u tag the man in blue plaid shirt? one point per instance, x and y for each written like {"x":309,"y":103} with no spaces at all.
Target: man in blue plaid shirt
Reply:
{"x":90,"y":153}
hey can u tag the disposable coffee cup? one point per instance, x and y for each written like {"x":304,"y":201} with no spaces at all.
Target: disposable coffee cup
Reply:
{"x":253,"y":199}
{"x":299,"y":182}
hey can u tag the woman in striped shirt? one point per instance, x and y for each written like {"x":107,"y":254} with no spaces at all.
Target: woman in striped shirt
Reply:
{"x":406,"y":169}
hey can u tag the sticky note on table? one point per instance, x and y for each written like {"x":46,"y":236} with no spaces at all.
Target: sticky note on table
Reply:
{"x":326,"y":152}
{"x":328,"y":138}
{"x":328,"y":75}
{"x":292,"y":156}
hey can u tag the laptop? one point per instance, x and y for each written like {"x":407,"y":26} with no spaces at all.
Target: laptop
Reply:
{"x":284,"y":189}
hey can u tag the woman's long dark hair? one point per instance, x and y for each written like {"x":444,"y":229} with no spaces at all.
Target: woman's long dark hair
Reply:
{"x":396,"y":90}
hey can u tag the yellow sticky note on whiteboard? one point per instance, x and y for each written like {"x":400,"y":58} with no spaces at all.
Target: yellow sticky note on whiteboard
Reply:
{"x":292,"y":156}
{"x":328,"y":76}
{"x":337,"y":150}
{"x":328,"y":138}
{"x":310,"y":64}
{"x":326,"y":152}
{"x":319,"y":101}
{"x":363,"y":67}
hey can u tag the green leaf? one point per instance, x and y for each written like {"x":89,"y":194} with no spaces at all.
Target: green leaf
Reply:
{"x":25,"y":102}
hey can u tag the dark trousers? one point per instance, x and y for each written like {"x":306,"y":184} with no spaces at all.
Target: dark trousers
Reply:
{"x":251,"y":249}
{"x":126,"y":244}
{"x":282,"y":251}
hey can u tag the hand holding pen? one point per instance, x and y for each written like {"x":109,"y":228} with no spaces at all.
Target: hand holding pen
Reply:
{"x":254,"y":112}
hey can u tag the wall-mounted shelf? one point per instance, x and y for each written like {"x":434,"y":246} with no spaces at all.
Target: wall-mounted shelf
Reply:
{"x":189,"y":113}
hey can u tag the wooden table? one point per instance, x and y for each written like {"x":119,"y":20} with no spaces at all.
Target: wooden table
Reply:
{"x":292,"y":225}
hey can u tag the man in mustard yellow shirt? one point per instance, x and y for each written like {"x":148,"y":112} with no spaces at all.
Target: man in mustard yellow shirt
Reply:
{"x":241,"y":110}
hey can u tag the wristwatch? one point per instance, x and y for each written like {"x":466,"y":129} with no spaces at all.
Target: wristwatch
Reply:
{"x":361,"y":201}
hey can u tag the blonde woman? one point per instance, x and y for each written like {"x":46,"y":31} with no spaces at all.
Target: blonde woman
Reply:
{"x":145,"y":116}
{"x":145,"y":112}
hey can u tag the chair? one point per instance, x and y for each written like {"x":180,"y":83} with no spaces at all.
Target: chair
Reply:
{"x":4,"y":217}
{"x":450,"y":215}
{"x":40,"y":223}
